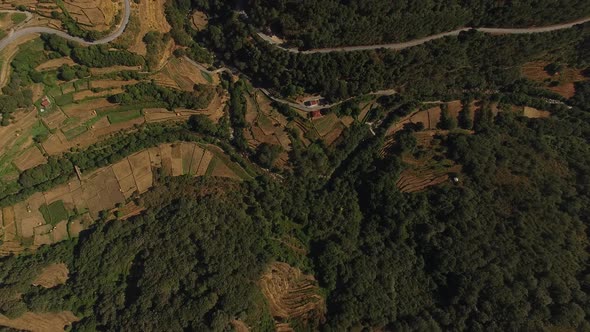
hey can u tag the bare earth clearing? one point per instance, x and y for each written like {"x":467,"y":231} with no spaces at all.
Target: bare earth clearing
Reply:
{"x":52,"y":275}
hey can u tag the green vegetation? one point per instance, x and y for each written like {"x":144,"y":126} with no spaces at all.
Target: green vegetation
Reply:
{"x":443,"y":69}
{"x":54,"y":212}
{"x":144,"y":92}
{"x":75,"y":132}
{"x":124,"y":116}
{"x":207,"y":77}
{"x":155,"y":44}
{"x":16,"y":93}
{"x":92,"y":56}
{"x":17,"y":18}
{"x":66,"y":99}
{"x":504,"y":250}
{"x":322,"y":23}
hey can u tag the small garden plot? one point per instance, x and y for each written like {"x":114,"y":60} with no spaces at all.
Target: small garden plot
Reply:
{"x":75,"y":132}
{"x":83,"y":84}
{"x":54,"y":212}
{"x":120,"y":117}
{"x":29,"y":159}
{"x":54,"y":119}
{"x":64,"y":99}
{"x":325,"y":124}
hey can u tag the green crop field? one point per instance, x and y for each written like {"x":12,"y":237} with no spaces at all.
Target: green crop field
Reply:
{"x":124,"y":116}
{"x":75,"y":132}
{"x":54,"y":212}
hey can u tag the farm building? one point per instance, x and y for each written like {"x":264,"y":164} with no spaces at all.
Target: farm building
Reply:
{"x":45,"y":102}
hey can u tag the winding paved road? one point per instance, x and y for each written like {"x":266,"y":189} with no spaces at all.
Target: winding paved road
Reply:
{"x":14,"y":35}
{"x":415,"y":42}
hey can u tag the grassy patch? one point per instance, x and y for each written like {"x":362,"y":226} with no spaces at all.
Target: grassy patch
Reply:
{"x":83,"y":84}
{"x":54,"y":91}
{"x":223,"y":158}
{"x":54,"y":212}
{"x":74,"y":132}
{"x":38,"y":129}
{"x":70,"y":121}
{"x":124,"y":116}
{"x":211,"y":167}
{"x":64,"y":99}
{"x":18,"y":18}
{"x":207,"y":77}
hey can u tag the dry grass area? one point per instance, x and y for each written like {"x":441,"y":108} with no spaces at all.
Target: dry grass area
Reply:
{"x":151,"y":18}
{"x":29,"y":159}
{"x":292,"y":294}
{"x":563,"y":80}
{"x":52,"y":275}
{"x":40,"y":322}
{"x":533,"y":113}
{"x":199,"y":20}
{"x":55,"y":63}
{"x":94,"y":14}
{"x":179,"y":73}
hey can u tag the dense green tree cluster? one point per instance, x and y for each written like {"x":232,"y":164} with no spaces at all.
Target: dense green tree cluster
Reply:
{"x":322,"y":23}
{"x":199,"y":98}
{"x":445,"y":68}
{"x":92,"y":56}
{"x":16,"y":93}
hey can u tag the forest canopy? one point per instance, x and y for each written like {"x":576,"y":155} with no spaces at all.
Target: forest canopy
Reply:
{"x":504,"y":250}
{"x":324,"y":23}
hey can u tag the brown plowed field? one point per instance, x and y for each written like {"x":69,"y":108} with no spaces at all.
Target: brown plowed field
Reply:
{"x":29,"y":159}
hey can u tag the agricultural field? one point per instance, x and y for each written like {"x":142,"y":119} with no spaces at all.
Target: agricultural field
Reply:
{"x":41,"y":10}
{"x":96,"y":15}
{"x":427,"y":166}
{"x":178,"y":73}
{"x":561,"y":81}
{"x":62,"y":212}
{"x":291,"y":294}
{"x":151,"y":18}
